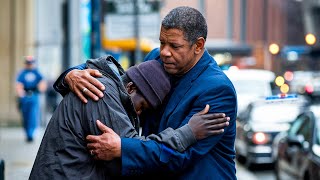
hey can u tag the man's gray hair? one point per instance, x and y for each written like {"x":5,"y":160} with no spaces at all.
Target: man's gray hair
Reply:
{"x":189,"y":20}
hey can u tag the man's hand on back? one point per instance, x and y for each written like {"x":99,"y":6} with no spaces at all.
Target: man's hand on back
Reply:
{"x":84,"y":84}
{"x":106,"y":146}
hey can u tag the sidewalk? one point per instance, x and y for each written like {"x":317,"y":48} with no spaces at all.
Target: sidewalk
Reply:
{"x":17,"y":153}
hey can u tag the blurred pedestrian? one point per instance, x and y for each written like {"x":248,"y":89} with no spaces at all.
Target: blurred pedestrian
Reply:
{"x":29,"y":84}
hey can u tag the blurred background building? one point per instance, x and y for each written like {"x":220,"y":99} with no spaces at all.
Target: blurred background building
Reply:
{"x":261,"y":34}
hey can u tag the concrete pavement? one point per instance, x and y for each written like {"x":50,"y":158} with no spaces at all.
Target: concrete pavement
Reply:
{"x":17,"y":153}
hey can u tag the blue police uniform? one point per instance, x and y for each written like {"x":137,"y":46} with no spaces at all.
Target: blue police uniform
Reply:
{"x":29,"y":104}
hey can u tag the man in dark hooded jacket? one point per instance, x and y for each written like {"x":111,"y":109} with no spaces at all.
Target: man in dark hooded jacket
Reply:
{"x":63,"y":153}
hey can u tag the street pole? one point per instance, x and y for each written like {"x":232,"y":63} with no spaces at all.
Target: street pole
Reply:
{"x":66,"y":34}
{"x":243,"y":21}
{"x":230,"y":20}
{"x":267,"y":62}
{"x":138,"y":54}
{"x":95,"y":36}
{"x":202,"y":8}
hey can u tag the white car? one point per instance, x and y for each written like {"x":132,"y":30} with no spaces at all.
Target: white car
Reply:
{"x":250,"y":84}
{"x":306,"y":83}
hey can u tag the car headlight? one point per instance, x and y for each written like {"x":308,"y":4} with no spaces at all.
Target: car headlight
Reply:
{"x":260,"y":138}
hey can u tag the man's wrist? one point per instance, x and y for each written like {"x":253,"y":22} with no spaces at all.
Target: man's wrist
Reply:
{"x":64,"y":83}
{"x":186,"y":136}
{"x":118,"y":150}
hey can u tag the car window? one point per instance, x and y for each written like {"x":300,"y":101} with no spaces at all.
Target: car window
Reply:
{"x":306,"y":129}
{"x":296,"y":125}
{"x":316,"y":112}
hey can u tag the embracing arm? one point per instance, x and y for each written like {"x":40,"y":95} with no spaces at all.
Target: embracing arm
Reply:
{"x":200,"y":126}
{"x":77,"y":78}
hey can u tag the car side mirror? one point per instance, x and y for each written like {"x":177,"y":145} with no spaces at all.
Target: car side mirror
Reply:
{"x":298,"y":141}
{"x":240,"y":119}
{"x":243,"y":117}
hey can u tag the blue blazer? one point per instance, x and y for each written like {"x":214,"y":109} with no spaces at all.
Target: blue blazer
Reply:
{"x":211,"y":158}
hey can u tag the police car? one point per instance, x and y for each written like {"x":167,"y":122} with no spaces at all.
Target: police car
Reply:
{"x":260,"y":122}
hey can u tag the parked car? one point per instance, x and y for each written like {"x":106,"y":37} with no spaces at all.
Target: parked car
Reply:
{"x":298,"y":149}
{"x":259,"y":123}
{"x":250,"y":84}
{"x":306,"y":83}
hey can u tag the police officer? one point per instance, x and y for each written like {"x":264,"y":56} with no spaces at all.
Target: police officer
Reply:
{"x":29,"y":84}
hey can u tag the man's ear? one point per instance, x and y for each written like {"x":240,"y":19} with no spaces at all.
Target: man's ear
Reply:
{"x":130,"y":87}
{"x":199,"y":45}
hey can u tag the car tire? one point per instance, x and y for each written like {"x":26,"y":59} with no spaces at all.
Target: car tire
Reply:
{"x":276,"y":170}
{"x":306,"y":176}
{"x":248,"y":164}
{"x":240,"y":158}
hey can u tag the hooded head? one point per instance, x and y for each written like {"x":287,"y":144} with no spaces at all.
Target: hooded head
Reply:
{"x":151,"y":80}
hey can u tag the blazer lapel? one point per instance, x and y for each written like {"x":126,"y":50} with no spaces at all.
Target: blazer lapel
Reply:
{"x":181,"y":89}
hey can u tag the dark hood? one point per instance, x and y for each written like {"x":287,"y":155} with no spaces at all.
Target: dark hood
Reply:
{"x":101,"y":64}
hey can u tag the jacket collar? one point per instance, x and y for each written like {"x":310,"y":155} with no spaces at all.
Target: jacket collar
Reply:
{"x":201,"y":65}
{"x":184,"y":83}
{"x":103,"y":65}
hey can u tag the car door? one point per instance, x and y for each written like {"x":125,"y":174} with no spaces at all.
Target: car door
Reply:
{"x":304,"y":136}
{"x":295,"y":147}
{"x":314,"y":164}
{"x":285,"y":150}
{"x":241,"y":132}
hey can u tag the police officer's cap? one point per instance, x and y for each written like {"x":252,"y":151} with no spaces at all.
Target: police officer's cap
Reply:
{"x":29,"y":60}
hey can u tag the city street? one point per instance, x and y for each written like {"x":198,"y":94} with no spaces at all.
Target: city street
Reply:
{"x":19,"y":156}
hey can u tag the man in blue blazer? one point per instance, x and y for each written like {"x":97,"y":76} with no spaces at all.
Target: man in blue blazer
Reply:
{"x":197,"y":80}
